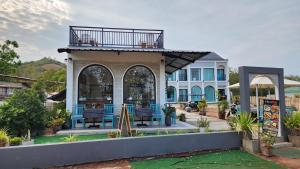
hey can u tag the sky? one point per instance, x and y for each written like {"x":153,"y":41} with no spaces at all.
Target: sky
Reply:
{"x":247,"y":32}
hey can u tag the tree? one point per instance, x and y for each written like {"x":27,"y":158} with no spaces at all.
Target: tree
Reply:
{"x":9,"y":59}
{"x":293,"y":77}
{"x":22,"y":111}
{"x":233,"y":76}
{"x":54,"y":75}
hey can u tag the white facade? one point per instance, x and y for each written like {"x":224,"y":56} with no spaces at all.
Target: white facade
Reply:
{"x":117,"y":63}
{"x":211,"y":62}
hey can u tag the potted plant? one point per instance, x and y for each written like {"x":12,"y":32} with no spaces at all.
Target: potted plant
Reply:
{"x":168,"y":110}
{"x":267,"y":141}
{"x":222,"y":106}
{"x":202,"y":105}
{"x":292,"y":122}
{"x":244,"y":123}
{"x":182,"y":117}
{"x":203,"y":124}
{"x":4,"y":139}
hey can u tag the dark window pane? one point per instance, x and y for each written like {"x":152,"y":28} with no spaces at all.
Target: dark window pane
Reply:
{"x":95,"y":86}
{"x":183,"y":95}
{"x":221,"y":74}
{"x":182,"y":75}
{"x":139,"y":86}
{"x":195,"y":74}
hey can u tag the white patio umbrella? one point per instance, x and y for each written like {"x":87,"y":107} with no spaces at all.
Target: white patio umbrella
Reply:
{"x":264,"y":82}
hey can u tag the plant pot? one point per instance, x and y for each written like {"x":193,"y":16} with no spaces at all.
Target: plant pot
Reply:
{"x":266,"y":150}
{"x":295,"y":140}
{"x":202,"y":129}
{"x":222,"y":115}
{"x":48,"y":131}
{"x":251,"y":146}
{"x":168,"y":120}
{"x":202,"y":112}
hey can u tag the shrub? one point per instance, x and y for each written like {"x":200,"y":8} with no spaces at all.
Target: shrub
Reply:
{"x":292,"y":122}
{"x":243,"y":122}
{"x":4,"y":139}
{"x":114,"y":134}
{"x":22,"y":111}
{"x":203,"y":122}
{"x":222,"y":106}
{"x":268,"y":139}
{"x":70,"y":138}
{"x":202,"y":105}
{"x":15,"y":141}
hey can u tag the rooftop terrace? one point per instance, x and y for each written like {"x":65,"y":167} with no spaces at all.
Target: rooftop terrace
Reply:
{"x":81,"y":36}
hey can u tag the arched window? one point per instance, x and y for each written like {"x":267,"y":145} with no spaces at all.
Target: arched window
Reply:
{"x":171,"y":94}
{"x":196,"y":93}
{"x":95,"y":86}
{"x":139,"y":86}
{"x":209,"y":93}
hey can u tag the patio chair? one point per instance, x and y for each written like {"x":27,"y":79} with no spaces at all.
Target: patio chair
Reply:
{"x":77,"y":114}
{"x":130,"y":108}
{"x":156,"y":115}
{"x":108,"y":114}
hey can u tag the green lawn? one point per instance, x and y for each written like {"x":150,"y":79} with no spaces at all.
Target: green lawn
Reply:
{"x":225,"y":160}
{"x":60,"y":139}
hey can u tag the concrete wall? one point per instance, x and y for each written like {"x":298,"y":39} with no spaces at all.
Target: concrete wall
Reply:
{"x":41,"y":156}
{"x":118,"y":64}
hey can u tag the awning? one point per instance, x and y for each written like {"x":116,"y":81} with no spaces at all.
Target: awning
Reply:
{"x":175,"y":59}
{"x":59,"y":96}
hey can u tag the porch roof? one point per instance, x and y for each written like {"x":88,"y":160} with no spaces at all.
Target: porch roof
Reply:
{"x":175,"y":59}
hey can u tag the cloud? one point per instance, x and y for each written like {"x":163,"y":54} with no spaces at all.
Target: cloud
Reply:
{"x":32,"y":15}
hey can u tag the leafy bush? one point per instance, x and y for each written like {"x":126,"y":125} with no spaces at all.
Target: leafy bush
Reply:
{"x":58,"y":117}
{"x":222,"y":106}
{"x":114,"y":134}
{"x":70,"y":138}
{"x":4,"y":139}
{"x":203,"y":122}
{"x":268,"y":139}
{"x":243,"y":122}
{"x":292,"y":122}
{"x":22,"y":111}
{"x":168,"y":110}
{"x":202,"y":105}
{"x":15,"y":141}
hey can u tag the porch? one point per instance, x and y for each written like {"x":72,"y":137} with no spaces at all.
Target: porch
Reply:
{"x":179,"y":127}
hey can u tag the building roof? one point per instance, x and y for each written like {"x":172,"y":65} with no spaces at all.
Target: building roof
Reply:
{"x":175,"y":59}
{"x":11,"y":85}
{"x":212,"y":56}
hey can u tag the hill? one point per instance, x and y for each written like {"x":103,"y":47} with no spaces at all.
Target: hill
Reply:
{"x":34,"y":69}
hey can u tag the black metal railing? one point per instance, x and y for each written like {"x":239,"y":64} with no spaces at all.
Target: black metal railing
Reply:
{"x":116,"y":37}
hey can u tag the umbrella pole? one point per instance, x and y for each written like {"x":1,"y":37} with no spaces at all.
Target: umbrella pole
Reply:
{"x":257,"y":108}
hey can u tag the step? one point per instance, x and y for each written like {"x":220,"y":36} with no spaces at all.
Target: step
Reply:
{"x":282,"y":144}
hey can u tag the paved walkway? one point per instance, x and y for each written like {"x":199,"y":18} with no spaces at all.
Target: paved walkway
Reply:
{"x":215,"y":123}
{"x":179,"y":126}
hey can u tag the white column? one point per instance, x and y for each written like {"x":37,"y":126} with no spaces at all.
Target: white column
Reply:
{"x":70,"y":84}
{"x":227,"y":83}
{"x":189,"y":82}
{"x":216,"y":82}
{"x":162,"y":85}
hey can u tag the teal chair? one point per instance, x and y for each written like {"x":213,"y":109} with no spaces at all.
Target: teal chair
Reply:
{"x":77,"y":114}
{"x":156,"y":115}
{"x":131,"y":112}
{"x":108,"y":114}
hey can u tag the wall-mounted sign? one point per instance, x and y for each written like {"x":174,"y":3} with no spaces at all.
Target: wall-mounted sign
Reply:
{"x":271,"y":115}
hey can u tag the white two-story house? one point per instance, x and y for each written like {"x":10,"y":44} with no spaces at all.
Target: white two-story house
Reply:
{"x":205,"y":78}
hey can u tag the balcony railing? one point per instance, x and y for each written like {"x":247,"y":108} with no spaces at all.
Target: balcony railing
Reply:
{"x":116,"y":37}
